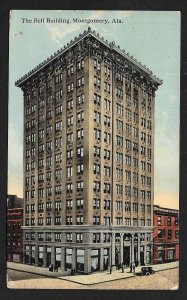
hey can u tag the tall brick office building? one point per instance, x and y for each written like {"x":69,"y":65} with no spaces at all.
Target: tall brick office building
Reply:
{"x":88,"y":157}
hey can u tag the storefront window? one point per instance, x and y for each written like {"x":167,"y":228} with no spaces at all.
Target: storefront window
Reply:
{"x":48,"y":256}
{"x":32,"y":255}
{"x":161,"y":254}
{"x":95,"y":260}
{"x":58,"y":256}
{"x":80,"y":260}
{"x":40,"y":256}
{"x":68,"y":260}
{"x":105,"y":258}
{"x":27,"y":254}
{"x":171,"y":254}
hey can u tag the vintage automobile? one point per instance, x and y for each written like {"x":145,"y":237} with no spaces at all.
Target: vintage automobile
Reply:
{"x":145,"y":271}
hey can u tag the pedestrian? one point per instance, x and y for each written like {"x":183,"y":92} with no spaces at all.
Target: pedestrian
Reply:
{"x":133,"y":268}
{"x":122,"y":267}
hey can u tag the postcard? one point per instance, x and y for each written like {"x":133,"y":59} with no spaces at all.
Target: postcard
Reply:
{"x":93,"y":150}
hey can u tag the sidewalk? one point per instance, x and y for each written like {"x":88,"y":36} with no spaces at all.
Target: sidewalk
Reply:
{"x":36,"y":270}
{"x":93,"y":278}
{"x":105,"y":276}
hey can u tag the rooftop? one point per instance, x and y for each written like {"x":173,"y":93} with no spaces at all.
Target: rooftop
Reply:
{"x":90,"y":32}
{"x":158,"y":208}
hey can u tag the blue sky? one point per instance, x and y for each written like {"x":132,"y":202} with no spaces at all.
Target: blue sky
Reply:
{"x":151,"y":37}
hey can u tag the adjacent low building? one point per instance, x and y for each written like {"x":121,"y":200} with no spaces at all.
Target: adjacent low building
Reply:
{"x":14,"y":231}
{"x":165,"y":235}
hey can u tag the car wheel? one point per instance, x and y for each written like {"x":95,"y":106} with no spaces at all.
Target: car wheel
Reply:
{"x":147,"y":273}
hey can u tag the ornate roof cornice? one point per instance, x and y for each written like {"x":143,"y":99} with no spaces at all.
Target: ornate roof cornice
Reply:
{"x":110,"y":45}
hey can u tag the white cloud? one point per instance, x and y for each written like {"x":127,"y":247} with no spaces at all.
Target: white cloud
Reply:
{"x":59,"y":31}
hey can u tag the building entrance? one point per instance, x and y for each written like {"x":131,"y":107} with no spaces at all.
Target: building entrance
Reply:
{"x":142,"y":263}
{"x":126,"y":255}
{"x":48,"y":259}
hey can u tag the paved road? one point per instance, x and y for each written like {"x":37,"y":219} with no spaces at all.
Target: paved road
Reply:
{"x":14,"y":275}
{"x":163,"y":280}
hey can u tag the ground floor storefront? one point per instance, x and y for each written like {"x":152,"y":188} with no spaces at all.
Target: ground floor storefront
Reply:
{"x":164,"y":253}
{"x":14,"y":255}
{"x":86,"y":250}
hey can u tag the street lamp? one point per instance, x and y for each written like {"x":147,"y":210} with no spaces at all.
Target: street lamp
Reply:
{"x":111,"y":250}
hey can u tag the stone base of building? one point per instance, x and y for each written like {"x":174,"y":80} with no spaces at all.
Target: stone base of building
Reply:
{"x":87,"y":249}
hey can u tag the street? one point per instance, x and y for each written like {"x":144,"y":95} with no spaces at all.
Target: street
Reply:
{"x":163,"y":280}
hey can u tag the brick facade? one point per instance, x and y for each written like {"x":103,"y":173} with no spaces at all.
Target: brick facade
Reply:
{"x":88,"y":158}
{"x":165,"y":235}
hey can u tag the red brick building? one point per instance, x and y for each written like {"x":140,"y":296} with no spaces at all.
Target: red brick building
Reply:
{"x":14,"y":231}
{"x":165,"y":235}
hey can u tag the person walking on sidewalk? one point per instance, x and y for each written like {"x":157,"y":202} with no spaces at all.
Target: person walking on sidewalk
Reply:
{"x":133,"y":268}
{"x":130,"y":267}
{"x":122,"y":267}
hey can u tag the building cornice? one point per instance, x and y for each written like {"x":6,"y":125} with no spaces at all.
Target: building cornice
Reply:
{"x":164,"y":210}
{"x":78,"y":39}
{"x":92,"y":228}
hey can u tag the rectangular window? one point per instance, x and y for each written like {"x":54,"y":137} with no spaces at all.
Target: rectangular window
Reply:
{"x":69,"y":237}
{"x":119,"y":109}
{"x":119,"y":125}
{"x":58,"y":237}
{"x":107,"y":188}
{"x":96,"y":203}
{"x":159,"y":220}
{"x":106,"y":205}
{"x":97,"y":151}
{"x":80,"y":186}
{"x":58,"y":220}
{"x":96,"y":220}
{"x":58,"y":126}
{"x":80,"y":116}
{"x":58,"y":78}
{"x":169,"y":234}
{"x":79,"y":203}
{"x":79,"y":220}
{"x":97,"y":82}
{"x":58,"y":110}
{"x":70,"y":87}
{"x":169,"y":221}
{"x":70,"y":154}
{"x":128,"y":160}
{"x":97,"y":134}
{"x":80,"y":82}
{"x":79,"y":237}
{"x":106,"y":154}
{"x":80,"y":169}
{"x":80,"y":152}
{"x":80,"y":134}
{"x":96,"y":237}
{"x":80,"y":99}
{"x":96,"y":186}
{"x":69,"y":220}
{"x":58,"y":95}
{"x":70,"y":104}
{"x":107,"y":104}
{"x":97,"y":99}
{"x":48,"y":206}
{"x":69,"y":204}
